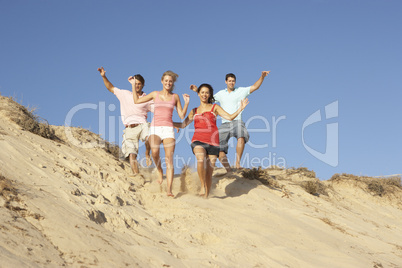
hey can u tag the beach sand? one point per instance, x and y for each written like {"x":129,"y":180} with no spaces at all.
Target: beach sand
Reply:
{"x":62,"y":205}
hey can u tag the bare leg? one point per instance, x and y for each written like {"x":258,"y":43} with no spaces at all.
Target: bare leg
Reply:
{"x":148,"y":153}
{"x":201,"y":154}
{"x":239,"y":151}
{"x":155,"y":142}
{"x":210,"y":169}
{"x":134,"y":163}
{"x":169,"y":145}
{"x":224,"y":160}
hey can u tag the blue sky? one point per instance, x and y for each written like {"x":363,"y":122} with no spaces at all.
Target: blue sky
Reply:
{"x":345,"y":55}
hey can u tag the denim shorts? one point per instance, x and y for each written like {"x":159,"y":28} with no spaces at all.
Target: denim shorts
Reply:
{"x":235,"y":128}
{"x":210,"y":149}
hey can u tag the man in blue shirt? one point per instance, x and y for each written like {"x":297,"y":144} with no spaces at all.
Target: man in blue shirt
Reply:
{"x":229,"y":100}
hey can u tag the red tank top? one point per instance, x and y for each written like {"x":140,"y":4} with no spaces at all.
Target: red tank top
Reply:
{"x":206,"y":130}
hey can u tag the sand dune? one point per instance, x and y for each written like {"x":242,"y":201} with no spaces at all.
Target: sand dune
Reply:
{"x":61,"y":205}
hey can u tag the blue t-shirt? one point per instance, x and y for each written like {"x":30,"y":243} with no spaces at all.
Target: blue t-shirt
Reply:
{"x":230,"y":102}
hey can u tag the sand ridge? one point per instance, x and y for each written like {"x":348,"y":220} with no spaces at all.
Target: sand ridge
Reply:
{"x":65,"y":205}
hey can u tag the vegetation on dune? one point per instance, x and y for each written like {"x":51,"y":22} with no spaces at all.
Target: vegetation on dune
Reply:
{"x":303,"y":171}
{"x":315,"y":187}
{"x":260,"y":175}
{"x":28,"y":120}
{"x":376,"y":186}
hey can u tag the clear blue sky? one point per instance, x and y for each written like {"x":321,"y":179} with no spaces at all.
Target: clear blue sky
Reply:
{"x":320,"y":52}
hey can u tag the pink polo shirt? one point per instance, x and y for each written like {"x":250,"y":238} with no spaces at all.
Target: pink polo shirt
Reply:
{"x":132,"y":113}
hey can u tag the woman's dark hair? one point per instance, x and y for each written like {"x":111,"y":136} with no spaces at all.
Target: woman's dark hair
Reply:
{"x":140,"y":78}
{"x":211,"y":92}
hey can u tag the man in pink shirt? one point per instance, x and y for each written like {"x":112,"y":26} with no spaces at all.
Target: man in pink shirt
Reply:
{"x":134,"y":117}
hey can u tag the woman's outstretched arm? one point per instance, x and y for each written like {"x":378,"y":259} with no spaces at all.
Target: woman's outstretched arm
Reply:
{"x":219,"y":111}
{"x":182,"y":111}
{"x":137,"y":100}
{"x":186,"y":122}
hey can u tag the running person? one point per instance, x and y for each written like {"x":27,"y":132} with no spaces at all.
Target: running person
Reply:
{"x":229,"y":99}
{"x":134,"y":117}
{"x":205,"y":142}
{"x":161,"y":130}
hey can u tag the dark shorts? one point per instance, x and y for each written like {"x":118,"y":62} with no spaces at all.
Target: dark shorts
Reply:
{"x":235,"y":128}
{"x":211,"y":150}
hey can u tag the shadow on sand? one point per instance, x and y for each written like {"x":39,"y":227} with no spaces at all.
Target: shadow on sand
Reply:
{"x":239,"y":186}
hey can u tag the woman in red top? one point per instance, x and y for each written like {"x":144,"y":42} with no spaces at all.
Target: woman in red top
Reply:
{"x":205,"y":142}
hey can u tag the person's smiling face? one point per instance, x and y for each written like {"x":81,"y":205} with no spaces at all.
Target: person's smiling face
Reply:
{"x":204,"y":94}
{"x":167,"y":82}
{"x":138,"y":86}
{"x":230,"y":82}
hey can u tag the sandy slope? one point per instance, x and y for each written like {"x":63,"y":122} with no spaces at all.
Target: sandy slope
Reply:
{"x":64,"y":205}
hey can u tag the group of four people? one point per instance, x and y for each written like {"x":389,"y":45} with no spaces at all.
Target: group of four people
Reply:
{"x":208,"y":143}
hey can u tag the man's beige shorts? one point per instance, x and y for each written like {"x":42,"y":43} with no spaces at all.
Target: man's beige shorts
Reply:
{"x":131,"y":138}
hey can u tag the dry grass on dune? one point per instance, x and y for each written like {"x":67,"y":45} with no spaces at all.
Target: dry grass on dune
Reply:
{"x":8,"y":193}
{"x":309,"y":182}
{"x":6,"y":188}
{"x":376,"y":186}
{"x":303,"y":171}
{"x":28,"y":120}
{"x":260,"y":175}
{"x":314,"y":187}
{"x":12,"y":201}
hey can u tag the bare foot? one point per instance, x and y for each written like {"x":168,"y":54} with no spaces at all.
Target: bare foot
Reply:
{"x":170,"y":194}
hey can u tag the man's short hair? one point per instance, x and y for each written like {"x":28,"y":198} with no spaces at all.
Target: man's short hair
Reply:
{"x":230,"y":75}
{"x":140,"y":78}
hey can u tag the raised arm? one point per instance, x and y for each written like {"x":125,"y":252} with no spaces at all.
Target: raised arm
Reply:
{"x":258,"y":83}
{"x":108,"y":85}
{"x":182,"y":111}
{"x":186,"y":122}
{"x":137,"y":100}
{"x":219,"y":111}
{"x":193,"y":88}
